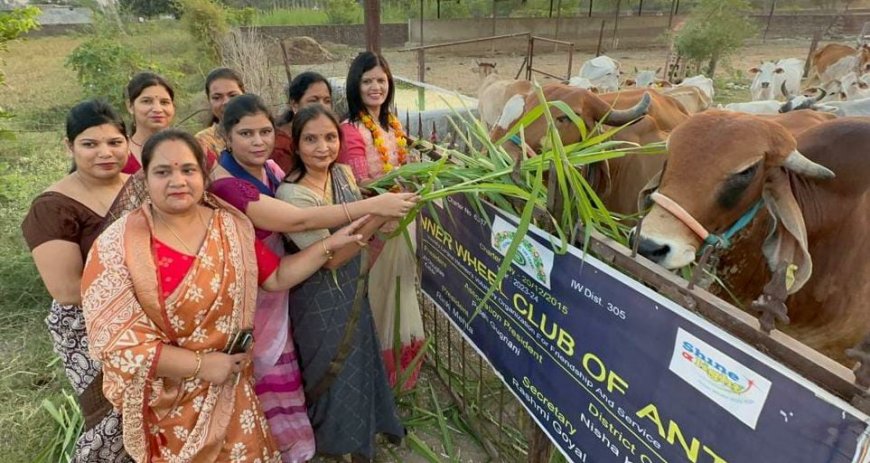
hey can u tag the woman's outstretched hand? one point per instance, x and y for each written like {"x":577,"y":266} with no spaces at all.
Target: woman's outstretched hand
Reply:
{"x":347,"y":234}
{"x":395,"y":204}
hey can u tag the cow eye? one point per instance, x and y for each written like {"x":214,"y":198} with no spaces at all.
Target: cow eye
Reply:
{"x":563,"y":119}
{"x":733,"y":188}
{"x":747,"y":173}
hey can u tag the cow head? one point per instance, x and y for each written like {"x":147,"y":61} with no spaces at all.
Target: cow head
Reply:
{"x":854,"y":87}
{"x":764,"y":84}
{"x":603,"y":72}
{"x":588,"y":106}
{"x":719,"y":164}
{"x":802,"y":101}
{"x":642,"y":79}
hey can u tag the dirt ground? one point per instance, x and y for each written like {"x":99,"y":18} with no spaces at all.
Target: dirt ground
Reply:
{"x":452,"y":68}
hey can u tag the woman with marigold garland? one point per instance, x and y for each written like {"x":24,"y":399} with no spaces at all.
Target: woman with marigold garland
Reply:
{"x":374,"y":144}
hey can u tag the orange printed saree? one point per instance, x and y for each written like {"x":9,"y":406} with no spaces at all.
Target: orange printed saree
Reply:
{"x":128,"y":324}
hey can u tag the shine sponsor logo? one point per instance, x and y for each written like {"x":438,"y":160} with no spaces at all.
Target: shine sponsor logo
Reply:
{"x":736,"y":388}
{"x":532,"y":258}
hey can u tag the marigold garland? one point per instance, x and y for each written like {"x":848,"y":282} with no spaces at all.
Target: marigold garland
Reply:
{"x":380,"y":144}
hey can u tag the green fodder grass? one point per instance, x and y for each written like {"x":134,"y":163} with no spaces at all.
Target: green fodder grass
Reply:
{"x":291,"y":17}
{"x":29,"y":373}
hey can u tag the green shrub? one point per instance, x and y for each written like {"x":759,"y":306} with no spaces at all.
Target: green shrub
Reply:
{"x":241,"y":16}
{"x":343,"y":11}
{"x":207,"y":23}
{"x":103,"y":65}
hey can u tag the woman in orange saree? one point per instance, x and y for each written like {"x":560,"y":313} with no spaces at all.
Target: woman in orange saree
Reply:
{"x":161,"y":319}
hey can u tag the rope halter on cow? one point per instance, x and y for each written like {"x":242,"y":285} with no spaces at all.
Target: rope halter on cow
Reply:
{"x":721,"y":241}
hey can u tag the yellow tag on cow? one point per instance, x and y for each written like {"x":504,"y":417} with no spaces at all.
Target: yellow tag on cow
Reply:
{"x":789,"y":276}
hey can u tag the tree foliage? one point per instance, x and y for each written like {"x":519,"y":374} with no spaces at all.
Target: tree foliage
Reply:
{"x":103,"y":66}
{"x":206,"y":21}
{"x":15,"y":23}
{"x":12,"y":25}
{"x":343,"y":11}
{"x":714,"y":29}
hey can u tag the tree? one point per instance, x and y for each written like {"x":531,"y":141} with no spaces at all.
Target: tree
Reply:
{"x":714,"y":29}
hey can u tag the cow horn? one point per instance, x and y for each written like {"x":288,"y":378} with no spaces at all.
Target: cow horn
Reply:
{"x":624,"y":116}
{"x":797,"y":162}
{"x":814,"y":100}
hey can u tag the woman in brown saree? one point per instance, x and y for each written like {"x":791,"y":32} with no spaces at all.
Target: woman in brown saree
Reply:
{"x":60,"y":227}
{"x":348,"y":396}
{"x":164,"y":292}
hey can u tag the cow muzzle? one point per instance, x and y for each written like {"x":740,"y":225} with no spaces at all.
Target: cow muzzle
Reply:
{"x":666,"y":240}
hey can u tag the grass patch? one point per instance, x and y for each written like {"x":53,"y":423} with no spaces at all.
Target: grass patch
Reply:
{"x":29,"y":373}
{"x":291,"y":17}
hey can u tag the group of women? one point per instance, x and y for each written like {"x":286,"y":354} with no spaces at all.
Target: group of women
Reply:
{"x":164,"y":253}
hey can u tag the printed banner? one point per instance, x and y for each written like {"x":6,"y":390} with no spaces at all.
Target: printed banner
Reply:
{"x":614,"y":372}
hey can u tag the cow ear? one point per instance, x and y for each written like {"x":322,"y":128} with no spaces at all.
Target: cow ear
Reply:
{"x":513,"y":109}
{"x":754,"y":70}
{"x":629,"y":82}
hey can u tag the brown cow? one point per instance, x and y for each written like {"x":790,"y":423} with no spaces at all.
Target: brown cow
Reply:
{"x":617,"y":181}
{"x":721,"y":166}
{"x":833,"y":61}
{"x":798,"y":121}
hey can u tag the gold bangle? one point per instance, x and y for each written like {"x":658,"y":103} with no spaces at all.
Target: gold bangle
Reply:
{"x":347,"y":213}
{"x":198,"y":367}
{"x":326,"y":251}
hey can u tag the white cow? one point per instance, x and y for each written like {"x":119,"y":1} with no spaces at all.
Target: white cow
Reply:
{"x":854,"y":87}
{"x":582,"y":82}
{"x":643,"y":79}
{"x":647,"y":78}
{"x":755,"y":107}
{"x":847,"y":108}
{"x":704,"y":83}
{"x":602,"y":72}
{"x":805,"y":102}
{"x":770,"y":76}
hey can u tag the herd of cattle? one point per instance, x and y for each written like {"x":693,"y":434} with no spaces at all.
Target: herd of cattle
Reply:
{"x":781,"y":191}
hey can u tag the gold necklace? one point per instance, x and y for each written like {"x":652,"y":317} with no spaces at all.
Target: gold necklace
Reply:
{"x":93,"y":195}
{"x":171,"y":230}
{"x":322,"y":189}
{"x":135,"y":142}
